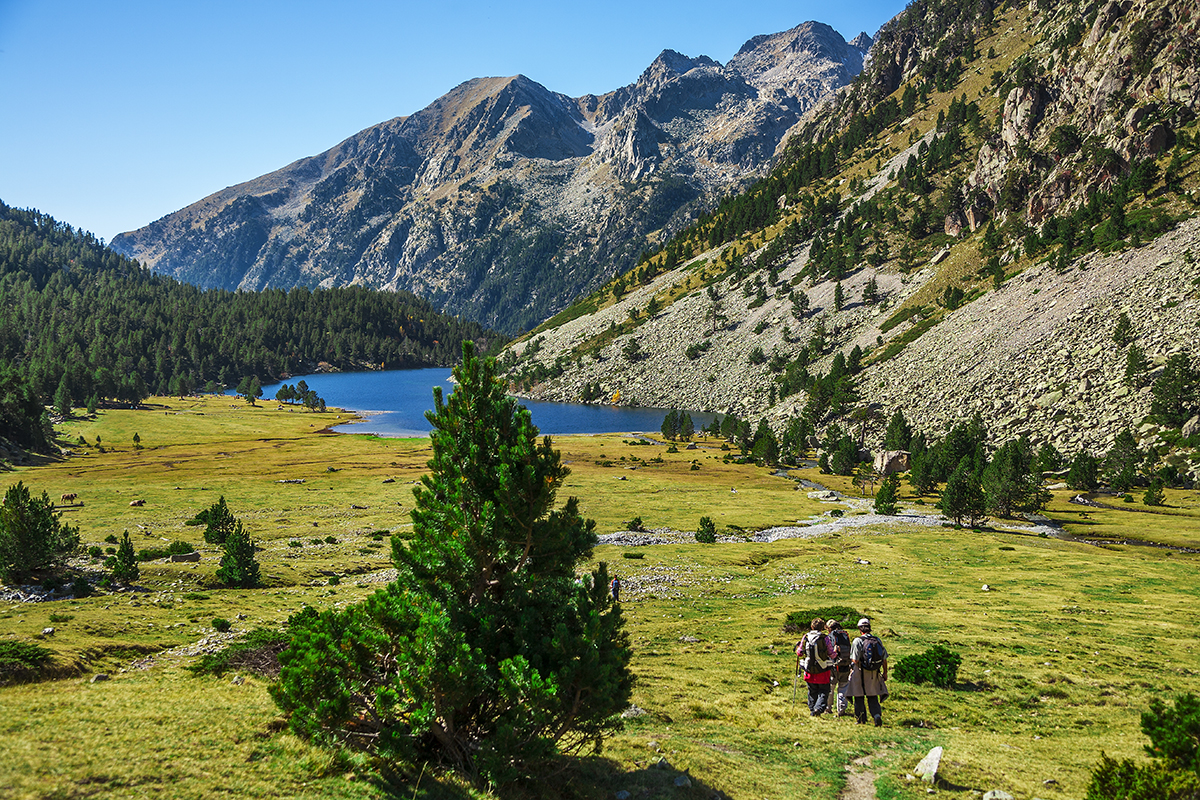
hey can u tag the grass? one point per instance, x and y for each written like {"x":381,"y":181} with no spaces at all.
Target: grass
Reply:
{"x":1060,"y":656}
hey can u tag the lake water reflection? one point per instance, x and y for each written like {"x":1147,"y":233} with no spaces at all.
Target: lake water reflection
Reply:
{"x":394,"y":404}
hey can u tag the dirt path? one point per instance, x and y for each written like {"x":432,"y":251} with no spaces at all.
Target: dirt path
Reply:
{"x":860,"y":780}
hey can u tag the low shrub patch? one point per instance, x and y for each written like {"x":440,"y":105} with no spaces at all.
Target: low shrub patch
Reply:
{"x":258,"y":652}
{"x":937,"y":665}
{"x":22,"y":661}
{"x":799,"y":621}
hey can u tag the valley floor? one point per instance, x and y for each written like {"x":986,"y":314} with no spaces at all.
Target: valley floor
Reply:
{"x":1061,"y":653}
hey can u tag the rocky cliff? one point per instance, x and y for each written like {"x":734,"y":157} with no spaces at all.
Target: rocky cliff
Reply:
{"x":502,"y":200}
{"x":1031,"y":178}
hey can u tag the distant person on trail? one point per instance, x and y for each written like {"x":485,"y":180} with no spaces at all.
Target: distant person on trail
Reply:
{"x":615,"y":587}
{"x":868,"y":674}
{"x":841,"y":662}
{"x":816,"y":656}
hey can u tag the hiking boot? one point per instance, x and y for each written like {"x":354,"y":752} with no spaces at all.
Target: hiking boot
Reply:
{"x":879,"y":722}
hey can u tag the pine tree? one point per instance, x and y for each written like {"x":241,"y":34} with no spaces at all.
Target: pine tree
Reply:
{"x":839,"y":298}
{"x":707,"y":532}
{"x":1083,"y":472}
{"x":488,"y":653}
{"x":1122,"y":461}
{"x":124,"y":564}
{"x":32,"y":536}
{"x":218,"y":522}
{"x":1154,"y":496}
{"x":62,"y":398}
{"x":239,"y":568}
{"x":1123,"y":330}
{"x":687,"y":428}
{"x":887,"y":498}
{"x":670,"y":425}
{"x":1136,"y":366}
{"x":963,"y":498}
{"x":898,"y":434}
{"x":1176,"y":392}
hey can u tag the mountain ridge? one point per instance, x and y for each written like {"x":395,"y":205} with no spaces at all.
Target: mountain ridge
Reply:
{"x":502,"y":200}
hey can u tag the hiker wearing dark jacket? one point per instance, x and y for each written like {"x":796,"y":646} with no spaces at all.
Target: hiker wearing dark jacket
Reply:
{"x":814,"y":647}
{"x":867,"y":684}
{"x":841,"y":663}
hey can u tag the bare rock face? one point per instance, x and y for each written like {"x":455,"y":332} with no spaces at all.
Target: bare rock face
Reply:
{"x":1022,"y":111}
{"x":502,"y":200}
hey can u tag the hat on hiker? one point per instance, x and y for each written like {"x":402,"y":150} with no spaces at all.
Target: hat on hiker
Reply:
{"x":864,"y":623}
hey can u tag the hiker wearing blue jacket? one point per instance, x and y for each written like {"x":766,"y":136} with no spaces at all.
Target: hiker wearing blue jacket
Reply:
{"x":868,"y":674}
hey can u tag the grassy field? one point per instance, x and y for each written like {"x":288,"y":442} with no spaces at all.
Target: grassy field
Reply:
{"x":1060,"y":655}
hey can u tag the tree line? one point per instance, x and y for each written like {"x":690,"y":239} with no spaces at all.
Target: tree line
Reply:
{"x":79,"y":321}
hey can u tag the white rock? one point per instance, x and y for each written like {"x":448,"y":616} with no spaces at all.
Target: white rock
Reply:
{"x":928,"y":766}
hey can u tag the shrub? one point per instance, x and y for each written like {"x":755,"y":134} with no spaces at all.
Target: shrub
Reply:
{"x":331,"y":540}
{"x":111,"y":538}
{"x":1174,"y":734}
{"x":937,"y":665}
{"x":221,"y":624}
{"x":635,"y":524}
{"x":32,"y":536}
{"x":94,"y":552}
{"x":707,"y":532}
{"x":798,"y":621}
{"x":632,"y":555}
{"x":124,"y":566}
{"x":22,"y":660}
{"x":334,"y":580}
{"x":238,"y":567}
{"x":258,"y":652}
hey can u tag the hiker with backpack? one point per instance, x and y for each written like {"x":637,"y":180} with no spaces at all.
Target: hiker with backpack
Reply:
{"x":815,"y":653}
{"x":615,"y":588}
{"x":841,"y":662}
{"x":868,"y":674}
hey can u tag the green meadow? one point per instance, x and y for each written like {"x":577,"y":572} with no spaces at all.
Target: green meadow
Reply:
{"x":1061,"y":653}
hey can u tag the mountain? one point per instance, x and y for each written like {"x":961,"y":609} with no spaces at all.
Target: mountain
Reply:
{"x":959,"y":230}
{"x":503,"y":200}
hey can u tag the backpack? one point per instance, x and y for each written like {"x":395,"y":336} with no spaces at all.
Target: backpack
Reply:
{"x":816,"y":652}
{"x":870,"y":653}
{"x":842,"y":640}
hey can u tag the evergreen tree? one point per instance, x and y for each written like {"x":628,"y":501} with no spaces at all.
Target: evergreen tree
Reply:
{"x":888,"y":496}
{"x":1136,"y":366}
{"x":1123,"y":330}
{"x":62,"y":398}
{"x":124,"y":564}
{"x":1122,"y":461}
{"x":218,"y":521}
{"x":670,"y":425}
{"x":32,"y":536}
{"x":839,"y":298}
{"x":899,"y":433}
{"x":1010,"y":483}
{"x":487,"y":653}
{"x":239,"y":568}
{"x":963,"y":498}
{"x":922,"y":466}
{"x":1154,"y":496}
{"x":1176,"y":392}
{"x":845,"y":457}
{"x":1083,"y":474}
{"x":687,"y":428}
{"x":707,"y":532}
{"x":1048,"y":459}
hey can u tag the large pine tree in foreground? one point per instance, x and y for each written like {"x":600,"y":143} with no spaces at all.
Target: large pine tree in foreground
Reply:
{"x":486,"y":653}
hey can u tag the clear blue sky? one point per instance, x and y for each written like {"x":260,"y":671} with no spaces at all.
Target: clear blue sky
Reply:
{"x":113,"y":114}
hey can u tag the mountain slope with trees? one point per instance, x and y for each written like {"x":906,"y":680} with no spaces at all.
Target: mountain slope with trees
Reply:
{"x":958,"y":231}
{"x":503,"y":200}
{"x":81,"y":324}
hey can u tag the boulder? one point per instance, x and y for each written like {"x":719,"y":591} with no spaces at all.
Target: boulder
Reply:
{"x":889,"y":461}
{"x":99,"y":677}
{"x":178,"y":557}
{"x":1191,"y":427}
{"x":997,"y":794}
{"x":927,"y":769}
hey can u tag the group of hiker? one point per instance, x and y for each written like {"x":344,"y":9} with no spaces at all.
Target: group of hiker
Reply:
{"x":858,"y":669}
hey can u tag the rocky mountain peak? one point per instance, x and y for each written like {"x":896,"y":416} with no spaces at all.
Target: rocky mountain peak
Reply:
{"x":862,"y":42}
{"x":796,"y":60}
{"x":503,"y":200}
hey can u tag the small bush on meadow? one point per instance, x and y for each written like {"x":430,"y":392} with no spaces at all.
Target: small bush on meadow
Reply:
{"x":937,"y":665}
{"x":221,"y":625}
{"x":798,"y":621}
{"x":707,"y":533}
{"x":258,"y":652}
{"x":22,"y":661}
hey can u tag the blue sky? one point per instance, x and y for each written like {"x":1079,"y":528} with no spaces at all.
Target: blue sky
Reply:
{"x":114,"y":114}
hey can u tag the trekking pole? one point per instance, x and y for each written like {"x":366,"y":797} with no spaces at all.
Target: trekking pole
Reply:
{"x":795,"y":679}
